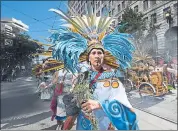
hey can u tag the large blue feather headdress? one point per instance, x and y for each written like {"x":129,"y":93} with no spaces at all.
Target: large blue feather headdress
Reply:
{"x":80,"y":34}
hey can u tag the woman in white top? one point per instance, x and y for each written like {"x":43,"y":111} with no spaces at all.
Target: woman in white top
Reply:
{"x":45,"y":88}
{"x":62,"y":79}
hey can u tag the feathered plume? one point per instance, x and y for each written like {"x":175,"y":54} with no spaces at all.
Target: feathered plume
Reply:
{"x":87,"y":24}
{"x":119,"y":46}
{"x":72,"y":40}
{"x":68,"y":47}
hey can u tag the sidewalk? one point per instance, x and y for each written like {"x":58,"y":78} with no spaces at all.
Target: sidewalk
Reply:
{"x":150,"y":122}
{"x":146,"y":122}
{"x":165,"y":106}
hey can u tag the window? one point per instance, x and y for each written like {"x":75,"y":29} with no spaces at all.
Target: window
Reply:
{"x":109,"y":13}
{"x":113,"y":11}
{"x":119,"y":8}
{"x":102,"y":1}
{"x":122,"y":16}
{"x":104,"y":10}
{"x":112,"y":2}
{"x":78,"y":6}
{"x":84,"y":8}
{"x":84,"y":12}
{"x":129,"y":2}
{"x":98,"y":14}
{"x":123,"y":4}
{"x":145,"y":4}
{"x":153,"y":18}
{"x":136,"y":8}
{"x":145,"y":20}
{"x":78,"y":11}
{"x":166,"y":11}
{"x":153,"y":2}
{"x":119,"y":19}
{"x":109,"y":3}
{"x":113,"y":23}
{"x":175,"y":9}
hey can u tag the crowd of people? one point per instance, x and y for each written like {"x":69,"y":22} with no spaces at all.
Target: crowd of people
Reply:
{"x":10,"y":73}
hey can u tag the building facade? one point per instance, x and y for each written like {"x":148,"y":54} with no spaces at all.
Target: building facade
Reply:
{"x":16,"y":26}
{"x":11,"y":27}
{"x":163,"y":13}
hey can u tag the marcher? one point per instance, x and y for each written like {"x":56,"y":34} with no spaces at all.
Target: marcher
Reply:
{"x":13,"y":74}
{"x":45,"y":88}
{"x":108,"y":107}
{"x":62,"y":81}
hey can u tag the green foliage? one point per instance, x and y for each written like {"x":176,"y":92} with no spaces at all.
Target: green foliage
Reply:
{"x":135,"y":22}
{"x":83,"y":92}
{"x":20,"y":52}
{"x":24,"y":36}
{"x":36,"y":40}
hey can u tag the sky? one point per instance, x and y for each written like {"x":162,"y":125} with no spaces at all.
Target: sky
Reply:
{"x":28,"y":11}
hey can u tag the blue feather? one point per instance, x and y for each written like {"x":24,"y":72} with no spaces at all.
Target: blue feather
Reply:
{"x":68,"y":48}
{"x":120,"y":47}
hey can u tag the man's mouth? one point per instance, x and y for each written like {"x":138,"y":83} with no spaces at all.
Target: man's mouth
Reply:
{"x":97,"y":62}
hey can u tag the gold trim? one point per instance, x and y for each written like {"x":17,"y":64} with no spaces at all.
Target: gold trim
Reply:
{"x":109,"y":79}
{"x":107,"y":84}
{"x":115,"y":84}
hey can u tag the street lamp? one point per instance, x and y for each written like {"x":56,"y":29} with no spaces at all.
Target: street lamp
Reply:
{"x":169,"y":18}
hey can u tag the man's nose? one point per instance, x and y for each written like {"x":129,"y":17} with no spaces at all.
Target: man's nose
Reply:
{"x":97,"y":55}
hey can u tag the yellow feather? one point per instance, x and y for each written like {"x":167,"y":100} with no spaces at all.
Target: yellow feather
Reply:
{"x":101,"y":35}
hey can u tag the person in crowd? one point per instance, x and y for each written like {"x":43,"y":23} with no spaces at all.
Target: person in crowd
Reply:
{"x":104,"y":104}
{"x":62,"y":81}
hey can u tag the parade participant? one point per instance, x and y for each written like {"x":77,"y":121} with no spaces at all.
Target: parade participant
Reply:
{"x":62,"y":81}
{"x":45,"y":88}
{"x":108,"y":107}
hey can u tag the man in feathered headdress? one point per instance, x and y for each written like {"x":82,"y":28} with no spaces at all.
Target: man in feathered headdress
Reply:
{"x":85,"y":39}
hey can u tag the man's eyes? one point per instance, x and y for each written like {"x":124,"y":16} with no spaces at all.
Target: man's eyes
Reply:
{"x":97,"y":53}
{"x":93,"y":53}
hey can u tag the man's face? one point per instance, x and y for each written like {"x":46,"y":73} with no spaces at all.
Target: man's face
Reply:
{"x":96,"y":57}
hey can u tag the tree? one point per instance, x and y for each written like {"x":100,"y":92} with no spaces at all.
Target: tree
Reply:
{"x":19,"y":52}
{"x":136,"y":26}
{"x":24,"y":36}
{"x":135,"y":23}
{"x":36,"y":40}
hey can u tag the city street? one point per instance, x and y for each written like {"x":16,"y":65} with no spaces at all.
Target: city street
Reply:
{"x":134,"y":41}
{"x":21,"y":109}
{"x":20,"y":105}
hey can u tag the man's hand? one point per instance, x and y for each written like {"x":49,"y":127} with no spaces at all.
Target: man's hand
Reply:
{"x":90,"y":105}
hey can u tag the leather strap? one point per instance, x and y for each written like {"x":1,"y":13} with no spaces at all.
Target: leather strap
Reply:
{"x":96,"y":78}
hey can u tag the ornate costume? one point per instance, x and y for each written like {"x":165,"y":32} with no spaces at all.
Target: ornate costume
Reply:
{"x":46,"y":88}
{"x":62,"y":87}
{"x":72,"y":44}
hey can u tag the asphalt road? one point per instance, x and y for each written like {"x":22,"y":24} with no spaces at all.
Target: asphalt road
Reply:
{"x":21,"y":109}
{"x":20,"y":105}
